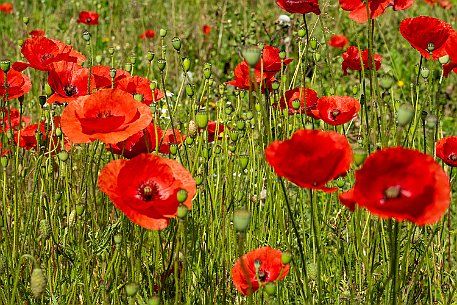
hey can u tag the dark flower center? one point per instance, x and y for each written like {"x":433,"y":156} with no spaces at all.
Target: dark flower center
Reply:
{"x":88,"y":20}
{"x":335,"y":113}
{"x":45,"y":57}
{"x":104,"y":114}
{"x":148,"y":191}
{"x":70,"y":90}
{"x":453,"y":157}
{"x":262,"y":275}
{"x":392,"y":192}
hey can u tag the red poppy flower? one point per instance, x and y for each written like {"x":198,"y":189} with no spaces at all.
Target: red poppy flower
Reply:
{"x":18,"y":84}
{"x":300,"y":6}
{"x":41,"y":52}
{"x":68,"y":81}
{"x":446,"y":150}
{"x":401,"y":183}
{"x":214,"y":128}
{"x":109,"y":115}
{"x":271,"y":268}
{"x":144,"y":141}
{"x":337,"y":110}
{"x":170,"y":137}
{"x":148,"y":34}
{"x":103,"y":78}
{"x":27,"y":137}
{"x":13,"y":120}
{"x":206,"y":29}
{"x":311,"y":158}
{"x":427,"y":33}
{"x":447,"y":68}
{"x":297,"y":94}
{"x":243,"y":80}
{"x":37,"y":33}
{"x":6,"y":8}
{"x":140,"y":85}
{"x":271,"y":61}
{"x":145,"y":188}
{"x":88,"y":17}
{"x":446,"y":4}
{"x":338,"y":41}
{"x":352,"y":60}
{"x":376,"y":8}
{"x":4,"y":152}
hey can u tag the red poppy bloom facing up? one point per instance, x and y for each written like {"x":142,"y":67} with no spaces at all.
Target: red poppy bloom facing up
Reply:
{"x":41,"y":52}
{"x":14,"y":117}
{"x":168,"y":138}
{"x":297,"y":94}
{"x":37,"y":33}
{"x":337,"y":110}
{"x":446,"y":150}
{"x":358,"y":8}
{"x":69,"y":81}
{"x":352,"y":60}
{"x":401,"y":183}
{"x":338,"y":41}
{"x":88,"y":17}
{"x":18,"y":84}
{"x":426,"y":34}
{"x":140,"y":85}
{"x":144,"y":141}
{"x":311,"y":158}
{"x":145,"y":188}
{"x":271,"y":269}
{"x":150,"y":34}
{"x":108,"y":115}
{"x":6,"y":8}
{"x":300,"y":6}
{"x":206,"y":29}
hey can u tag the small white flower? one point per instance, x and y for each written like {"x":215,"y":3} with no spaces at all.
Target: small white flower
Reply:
{"x":284,"y":20}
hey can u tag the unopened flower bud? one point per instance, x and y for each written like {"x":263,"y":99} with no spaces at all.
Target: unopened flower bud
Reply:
{"x":182,"y":195}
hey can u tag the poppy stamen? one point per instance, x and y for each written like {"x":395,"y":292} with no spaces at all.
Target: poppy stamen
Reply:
{"x":45,"y":57}
{"x":392,"y":192}
{"x":335,"y":113}
{"x":453,"y":157}
{"x":70,"y":90}
{"x":262,"y":275}
{"x":148,"y":191}
{"x":88,"y":20}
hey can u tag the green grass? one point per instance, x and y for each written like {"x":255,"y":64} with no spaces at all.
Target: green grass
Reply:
{"x":89,"y":251}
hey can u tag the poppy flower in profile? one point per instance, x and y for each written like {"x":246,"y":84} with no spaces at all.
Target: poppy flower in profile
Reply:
{"x":37,"y":33}
{"x":18,"y":84}
{"x":297,"y":95}
{"x":451,"y":49}
{"x":102,"y":76}
{"x":144,"y":141}
{"x":168,"y":138}
{"x":337,"y":110}
{"x":148,"y":34}
{"x":140,"y":85}
{"x":6,"y":7}
{"x":338,"y":41}
{"x":447,"y":68}
{"x":12,"y":119}
{"x":426,"y":34}
{"x":88,"y":17}
{"x":108,"y":115}
{"x":68,"y":81}
{"x":270,"y":61}
{"x":246,"y":277}
{"x":401,"y":183}
{"x":243,"y":80}
{"x":300,"y":6}
{"x":351,"y":60}
{"x":206,"y":29}
{"x":214,"y":128}
{"x":42,"y":131}
{"x":311,"y":158}
{"x":446,"y":150}
{"x":145,"y":188}
{"x":358,"y":8}
{"x":41,"y":52}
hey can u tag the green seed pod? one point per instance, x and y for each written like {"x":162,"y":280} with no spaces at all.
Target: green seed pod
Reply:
{"x":153,"y":85}
{"x":207,"y":73}
{"x":186,"y":64}
{"x":198,"y":179}
{"x":313,"y":43}
{"x":270,"y":288}
{"x":282,"y":55}
{"x":275,"y":85}
{"x":112,"y":72}
{"x":405,"y":114}
{"x":132,"y":59}
{"x":241,"y":125}
{"x":138,"y":97}
{"x":296,"y":104}
{"x":63,"y":156}
{"x":153,"y":301}
{"x":26,"y":20}
{"x":301,"y":33}
{"x":359,"y":156}
{"x":4,"y":161}
{"x":150,"y":56}
{"x":386,"y":82}
{"x":38,"y":282}
{"x":161,"y":63}
{"x":163,"y":33}
{"x":189,"y":90}
{"x":425,"y":73}
{"x":244,"y":160}
{"x":20,"y":42}
{"x":182,"y":211}
{"x":217,"y":149}
{"x":176,"y":42}
{"x":241,"y":218}
{"x":312,"y":271}
{"x":189,"y":141}
{"x":128,"y":67}
{"x":251,"y":55}
{"x":86,"y":35}
{"x":430,"y":47}
{"x":201,"y":119}
{"x":117,"y":239}
{"x":58,"y":132}
{"x":232,"y":147}
{"x":45,"y":229}
{"x":431,"y":121}
{"x":79,"y":209}
{"x":340,"y":182}
{"x":181,"y":195}
{"x":131,"y":289}
{"x":111,"y":51}
{"x":98,"y":59}
{"x":444,"y":59}
{"x":5,"y":65}
{"x":173,"y":149}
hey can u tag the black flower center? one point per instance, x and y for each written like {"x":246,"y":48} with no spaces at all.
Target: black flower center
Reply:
{"x":262,"y":275}
{"x":88,"y":20}
{"x":70,"y":90}
{"x":148,"y":191}
{"x":45,"y":57}
{"x":453,"y":157}
{"x":104,"y":114}
{"x":335,"y":113}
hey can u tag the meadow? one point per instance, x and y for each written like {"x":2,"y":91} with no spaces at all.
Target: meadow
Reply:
{"x":228,"y":152}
